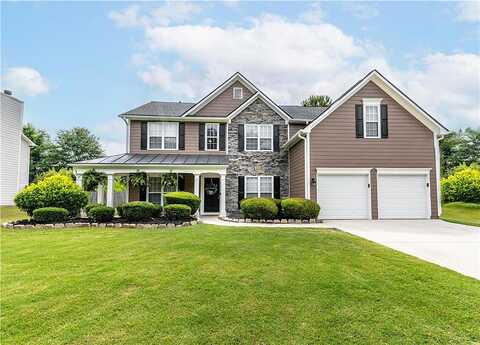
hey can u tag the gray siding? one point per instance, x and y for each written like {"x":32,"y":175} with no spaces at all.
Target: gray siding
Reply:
{"x":224,"y":103}
{"x":410,"y":144}
{"x":294,"y":128}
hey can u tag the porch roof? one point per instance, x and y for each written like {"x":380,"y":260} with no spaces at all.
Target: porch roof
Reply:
{"x":132,"y":159}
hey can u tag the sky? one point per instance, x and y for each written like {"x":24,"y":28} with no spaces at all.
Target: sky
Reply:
{"x":83,"y":63}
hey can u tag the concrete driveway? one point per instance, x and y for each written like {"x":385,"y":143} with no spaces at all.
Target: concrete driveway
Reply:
{"x":453,"y":246}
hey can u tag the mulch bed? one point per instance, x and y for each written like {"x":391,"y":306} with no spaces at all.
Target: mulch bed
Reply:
{"x":116,"y":220}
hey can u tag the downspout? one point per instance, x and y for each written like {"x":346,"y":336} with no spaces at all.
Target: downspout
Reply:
{"x":305,"y":136}
{"x":436,"y":146}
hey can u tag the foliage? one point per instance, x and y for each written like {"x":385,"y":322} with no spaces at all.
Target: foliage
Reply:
{"x":138,"y":180}
{"x":101,"y":213}
{"x":317,"y":101}
{"x":52,"y":172}
{"x":459,"y":147}
{"x":53,"y":191}
{"x":40,"y":153}
{"x":259,"y":208}
{"x":120,"y":184}
{"x":90,"y":206}
{"x":462,"y":185}
{"x":298,"y":208}
{"x":184,"y":198}
{"x":50,"y":215}
{"x":92,"y":178}
{"x":177,"y":211}
{"x":139,"y":210}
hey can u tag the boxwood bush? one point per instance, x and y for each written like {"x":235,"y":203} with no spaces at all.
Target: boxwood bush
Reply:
{"x":50,"y":215}
{"x":101,"y":213}
{"x":298,"y":208}
{"x":259,"y":208}
{"x":57,"y":190}
{"x":177,"y":211}
{"x":90,"y":206}
{"x":183,"y":198}
{"x":462,"y":185}
{"x":139,"y":210}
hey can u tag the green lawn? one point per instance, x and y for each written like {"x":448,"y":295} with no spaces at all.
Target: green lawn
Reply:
{"x":9,"y":213}
{"x":461,"y":212}
{"x":218,"y":285}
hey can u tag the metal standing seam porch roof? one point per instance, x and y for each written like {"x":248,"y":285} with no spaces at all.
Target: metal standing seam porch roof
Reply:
{"x":157,"y":159}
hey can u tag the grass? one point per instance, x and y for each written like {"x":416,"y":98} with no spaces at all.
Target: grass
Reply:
{"x":9,"y":213}
{"x":462,"y":213}
{"x":218,"y":285}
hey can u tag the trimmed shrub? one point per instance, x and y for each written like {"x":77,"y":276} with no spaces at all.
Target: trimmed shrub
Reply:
{"x":278,"y":202}
{"x":120,"y":211}
{"x":157,"y":211}
{"x":183,"y":198}
{"x":50,"y":215}
{"x":101,"y":213}
{"x":139,"y":210}
{"x":177,"y":211}
{"x":90,"y":206}
{"x":463,"y":185}
{"x":56,"y":190}
{"x":298,"y":208}
{"x":259,"y":208}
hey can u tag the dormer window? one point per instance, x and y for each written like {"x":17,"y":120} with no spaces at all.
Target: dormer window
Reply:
{"x":238,"y":93}
{"x":371,"y":117}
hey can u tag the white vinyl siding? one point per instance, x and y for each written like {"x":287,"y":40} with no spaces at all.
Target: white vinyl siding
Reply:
{"x":258,"y":186}
{"x":163,"y":136}
{"x":258,"y":137}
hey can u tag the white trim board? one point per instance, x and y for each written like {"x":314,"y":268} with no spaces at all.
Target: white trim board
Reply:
{"x":266,"y":100}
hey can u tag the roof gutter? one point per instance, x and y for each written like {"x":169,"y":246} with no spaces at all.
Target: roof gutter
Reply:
{"x":174,"y":118}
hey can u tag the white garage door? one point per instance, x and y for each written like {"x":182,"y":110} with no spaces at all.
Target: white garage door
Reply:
{"x":343,"y":196}
{"x":403,"y":196}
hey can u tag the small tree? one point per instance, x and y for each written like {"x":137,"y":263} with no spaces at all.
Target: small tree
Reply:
{"x":317,"y":101}
{"x":39,"y":154}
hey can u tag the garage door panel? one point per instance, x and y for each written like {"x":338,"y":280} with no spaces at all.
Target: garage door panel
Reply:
{"x":343,"y":196}
{"x":402,"y":196}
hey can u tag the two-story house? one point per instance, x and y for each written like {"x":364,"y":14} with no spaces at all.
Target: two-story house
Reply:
{"x":372,"y":154}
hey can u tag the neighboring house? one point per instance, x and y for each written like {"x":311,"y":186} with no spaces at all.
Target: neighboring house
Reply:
{"x":14,"y":149}
{"x":372,"y":154}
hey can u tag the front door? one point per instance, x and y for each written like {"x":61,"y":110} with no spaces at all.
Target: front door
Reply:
{"x":211,"y":195}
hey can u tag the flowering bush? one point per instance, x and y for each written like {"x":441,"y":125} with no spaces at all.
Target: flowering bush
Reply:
{"x":56,"y":190}
{"x":462,"y":185}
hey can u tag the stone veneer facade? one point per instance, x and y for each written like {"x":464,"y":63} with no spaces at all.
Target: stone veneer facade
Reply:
{"x":255,"y":163}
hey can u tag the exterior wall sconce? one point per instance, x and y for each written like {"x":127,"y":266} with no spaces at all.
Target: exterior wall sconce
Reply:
{"x":313,"y":181}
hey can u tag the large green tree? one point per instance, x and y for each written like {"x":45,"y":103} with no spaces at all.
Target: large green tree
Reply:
{"x":459,"y":147}
{"x":317,"y":101}
{"x":40,"y":154}
{"x":76,"y":144}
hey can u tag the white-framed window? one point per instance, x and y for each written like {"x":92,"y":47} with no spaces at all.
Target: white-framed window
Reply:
{"x":258,"y":186}
{"x":155,"y":192}
{"x":212,"y":136}
{"x":238,"y":93}
{"x":162,"y":136}
{"x":258,"y":137}
{"x":371,"y":118}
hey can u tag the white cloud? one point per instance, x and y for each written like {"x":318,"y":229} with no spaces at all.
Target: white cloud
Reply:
{"x":314,"y":14}
{"x":112,"y":136}
{"x":468,"y":11}
{"x":361,"y":10}
{"x":25,"y":81}
{"x":169,"y":13}
{"x":290,"y":60}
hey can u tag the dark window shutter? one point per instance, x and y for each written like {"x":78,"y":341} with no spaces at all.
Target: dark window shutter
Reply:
{"x":181,"y":136}
{"x":201,"y":136}
{"x":276,"y":138}
{"x":143,"y":135}
{"x":240,"y":138}
{"x":241,"y":189}
{"x":222,"y":137}
{"x":143,"y":193}
{"x":276,"y":187}
{"x":359,"y":120}
{"x":181,"y":182}
{"x":384,"y":117}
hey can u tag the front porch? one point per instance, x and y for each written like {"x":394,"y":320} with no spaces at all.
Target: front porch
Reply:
{"x":206,"y":180}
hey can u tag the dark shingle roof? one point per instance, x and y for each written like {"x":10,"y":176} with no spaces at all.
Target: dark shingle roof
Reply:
{"x":176,"y":109}
{"x":160,"y":158}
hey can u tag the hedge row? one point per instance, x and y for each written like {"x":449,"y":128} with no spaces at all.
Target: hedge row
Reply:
{"x":290,"y":208}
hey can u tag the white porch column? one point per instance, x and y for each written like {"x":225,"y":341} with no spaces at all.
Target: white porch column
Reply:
{"x":196,"y":184}
{"x":79,"y":179}
{"x":100,"y":193}
{"x":110,"y":190}
{"x":223,"y":179}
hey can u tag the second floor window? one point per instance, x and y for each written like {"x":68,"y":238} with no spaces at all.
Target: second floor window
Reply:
{"x":211,"y":136}
{"x":258,"y":137}
{"x":162,"y":135}
{"x":237,"y":93}
{"x":371,"y":118}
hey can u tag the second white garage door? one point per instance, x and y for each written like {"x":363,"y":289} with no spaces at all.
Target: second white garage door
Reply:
{"x":343,"y":196}
{"x":403,"y":196}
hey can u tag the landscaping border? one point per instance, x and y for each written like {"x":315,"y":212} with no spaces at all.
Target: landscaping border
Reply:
{"x":271,"y":221}
{"x":11,"y":225}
